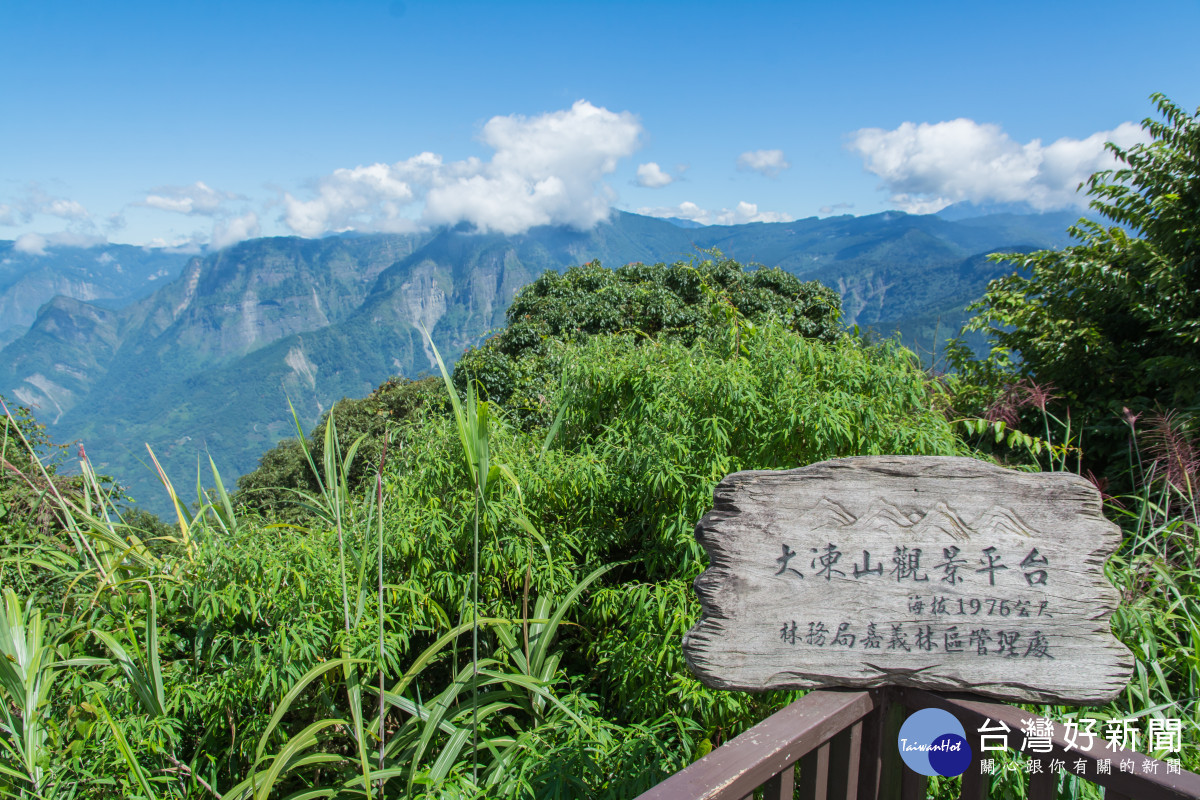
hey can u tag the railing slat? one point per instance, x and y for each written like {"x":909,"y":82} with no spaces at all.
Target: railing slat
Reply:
{"x":891,"y":765}
{"x":845,"y":750}
{"x":814,"y":774}
{"x":781,"y":786}
{"x":1151,"y":782}
{"x":869,"y":761}
{"x":745,"y":763}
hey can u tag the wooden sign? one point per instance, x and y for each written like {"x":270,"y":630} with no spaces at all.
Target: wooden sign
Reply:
{"x":941,"y":573}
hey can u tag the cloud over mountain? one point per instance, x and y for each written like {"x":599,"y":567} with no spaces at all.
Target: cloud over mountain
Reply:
{"x":545,"y":170}
{"x":232,"y":220}
{"x":36,"y":201}
{"x":744,"y":212}
{"x":928,"y":166}
{"x":232,"y":231}
{"x":35,"y":243}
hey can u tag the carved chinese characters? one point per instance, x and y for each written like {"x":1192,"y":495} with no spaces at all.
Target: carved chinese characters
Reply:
{"x":942,"y":573}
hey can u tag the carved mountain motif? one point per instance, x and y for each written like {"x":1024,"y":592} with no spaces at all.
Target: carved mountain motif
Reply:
{"x":828,"y":514}
{"x":1000,"y":520}
{"x":881,"y":516}
{"x":862,"y":629}
{"x":942,"y":521}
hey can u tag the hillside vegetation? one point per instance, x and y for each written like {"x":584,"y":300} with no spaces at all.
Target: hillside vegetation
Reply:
{"x":258,"y":647}
{"x":208,"y":364}
{"x":476,"y":585}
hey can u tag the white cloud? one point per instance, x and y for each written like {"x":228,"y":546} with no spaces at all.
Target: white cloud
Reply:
{"x":927,"y":167}
{"x":36,"y":243}
{"x":200,"y":200}
{"x":651,"y":176}
{"x":36,"y":201}
{"x":765,"y":162}
{"x":197,"y":199}
{"x":545,"y":170}
{"x":30,"y":243}
{"x":236,"y":230}
{"x":66,"y":209}
{"x":743,"y":213}
{"x":179,"y":244}
{"x":370,"y":198}
{"x":829,"y":209}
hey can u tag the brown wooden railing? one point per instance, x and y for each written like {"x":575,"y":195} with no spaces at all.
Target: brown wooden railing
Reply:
{"x":843,"y":743}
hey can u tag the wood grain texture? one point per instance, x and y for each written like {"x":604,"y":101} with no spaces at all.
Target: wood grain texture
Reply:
{"x":941,"y":573}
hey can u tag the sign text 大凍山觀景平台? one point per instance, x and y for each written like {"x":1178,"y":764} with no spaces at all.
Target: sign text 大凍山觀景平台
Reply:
{"x":948,"y":574}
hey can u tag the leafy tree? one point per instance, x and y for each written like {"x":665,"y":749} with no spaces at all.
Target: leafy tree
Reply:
{"x":681,"y":302}
{"x":28,"y":469}
{"x":1114,"y":321}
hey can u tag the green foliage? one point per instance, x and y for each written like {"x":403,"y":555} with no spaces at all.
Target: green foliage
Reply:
{"x":1154,"y":571}
{"x":28,"y":469}
{"x":520,"y":366}
{"x":285,"y":465}
{"x":421,"y":622}
{"x":1113,"y":321}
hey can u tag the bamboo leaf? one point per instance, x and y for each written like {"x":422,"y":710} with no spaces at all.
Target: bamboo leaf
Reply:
{"x":126,"y":751}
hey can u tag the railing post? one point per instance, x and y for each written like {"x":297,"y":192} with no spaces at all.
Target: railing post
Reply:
{"x":814,"y":774}
{"x":1042,"y":786}
{"x":880,"y":765}
{"x":845,"y":753}
{"x":913,"y":785}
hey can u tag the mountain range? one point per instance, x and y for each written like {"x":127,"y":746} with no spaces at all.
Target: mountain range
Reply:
{"x":204,"y":357}
{"x":110,"y":276}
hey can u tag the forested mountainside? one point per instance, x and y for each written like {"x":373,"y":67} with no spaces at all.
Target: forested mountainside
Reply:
{"x":209,"y":362}
{"x":108,"y":275}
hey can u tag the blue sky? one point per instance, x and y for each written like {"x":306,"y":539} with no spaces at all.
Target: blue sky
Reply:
{"x":192,"y":123}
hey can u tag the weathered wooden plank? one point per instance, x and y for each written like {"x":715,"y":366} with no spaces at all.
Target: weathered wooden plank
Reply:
{"x":748,"y":761}
{"x":942,"y":573}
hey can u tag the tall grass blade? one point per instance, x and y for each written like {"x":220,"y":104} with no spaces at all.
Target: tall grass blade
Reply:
{"x":126,"y":751}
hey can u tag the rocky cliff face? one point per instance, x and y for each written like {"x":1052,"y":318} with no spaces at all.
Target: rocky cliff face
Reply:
{"x":62,"y":356}
{"x":209,"y":362}
{"x":113,"y":274}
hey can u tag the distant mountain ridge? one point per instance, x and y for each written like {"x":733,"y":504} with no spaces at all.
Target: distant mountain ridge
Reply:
{"x":109,"y":275}
{"x":209,"y":360}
